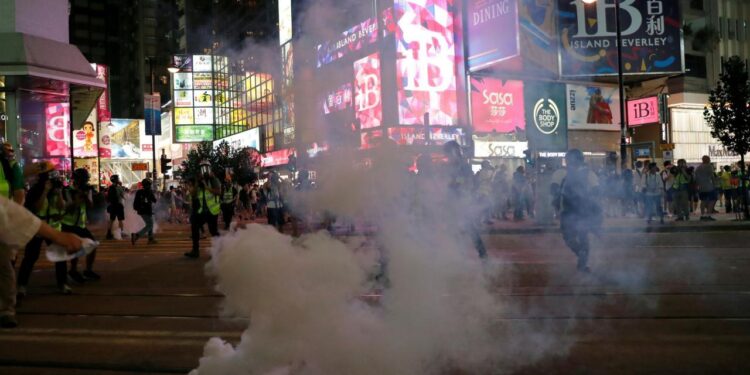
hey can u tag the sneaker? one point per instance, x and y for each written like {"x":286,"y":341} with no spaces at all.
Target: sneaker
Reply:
{"x":192,"y":254}
{"x":91,"y":275}
{"x":133,"y":238}
{"x":8,"y":321}
{"x":76,"y":276}
{"x":152,"y":241}
{"x":709,"y":218}
{"x":64,"y":289}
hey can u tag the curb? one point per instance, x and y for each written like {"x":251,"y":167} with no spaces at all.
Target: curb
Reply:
{"x":656,"y":228}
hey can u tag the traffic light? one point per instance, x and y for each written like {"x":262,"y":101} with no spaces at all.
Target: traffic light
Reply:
{"x":165,"y":167}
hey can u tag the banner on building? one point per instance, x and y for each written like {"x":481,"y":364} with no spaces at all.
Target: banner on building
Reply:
{"x":643,"y":111}
{"x":492,"y":32}
{"x":497,"y":106}
{"x":57,"y":117}
{"x":85,"y":140}
{"x":102,"y":104}
{"x":651,"y":37}
{"x":593,"y":108}
{"x":152,"y":113}
{"x":546,"y":117}
{"x":368,"y":88}
{"x":499,"y":149}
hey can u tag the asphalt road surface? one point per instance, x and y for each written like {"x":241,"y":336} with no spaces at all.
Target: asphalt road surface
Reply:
{"x":657,"y":303}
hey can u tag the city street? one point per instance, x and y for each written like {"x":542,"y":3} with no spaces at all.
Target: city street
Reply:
{"x":670,"y":302}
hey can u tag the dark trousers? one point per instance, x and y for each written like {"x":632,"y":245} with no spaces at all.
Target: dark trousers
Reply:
{"x":653,"y":207}
{"x":227,"y":210}
{"x":576,"y":236}
{"x":276,"y":217}
{"x":83,"y":233}
{"x":30,"y":256}
{"x":197,"y":221}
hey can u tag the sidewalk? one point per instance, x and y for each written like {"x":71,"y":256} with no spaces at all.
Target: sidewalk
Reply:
{"x":724,"y":222}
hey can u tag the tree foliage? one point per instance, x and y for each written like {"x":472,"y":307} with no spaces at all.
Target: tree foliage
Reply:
{"x":728,"y":114}
{"x":241,"y":162}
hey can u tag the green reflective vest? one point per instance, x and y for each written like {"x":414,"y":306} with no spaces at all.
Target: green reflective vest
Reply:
{"x":5,"y":188}
{"x":50,"y":213}
{"x":208,"y":199}
{"x":228,"y":196}
{"x":76,"y":216}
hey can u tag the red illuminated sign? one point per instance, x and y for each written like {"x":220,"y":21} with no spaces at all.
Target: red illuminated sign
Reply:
{"x":643,"y":111}
{"x":368,"y":104}
{"x":497,"y":106}
{"x":278,"y":157}
{"x":57,"y":117}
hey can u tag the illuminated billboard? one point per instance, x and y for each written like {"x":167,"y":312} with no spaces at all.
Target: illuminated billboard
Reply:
{"x":278,"y":157}
{"x":125,"y":139}
{"x":497,"y":105}
{"x":493,"y":32}
{"x":425,"y":62}
{"x":199,"y":89}
{"x":651,"y":37}
{"x":85,"y":139}
{"x":416,"y":136}
{"x":354,"y":39}
{"x":643,"y":111}
{"x":338,"y":100}
{"x":285,"y":21}
{"x":57,"y":116}
{"x":102,"y":104}
{"x":368,"y":104}
{"x":593,"y":107}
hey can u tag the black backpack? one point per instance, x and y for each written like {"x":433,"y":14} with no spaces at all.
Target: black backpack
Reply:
{"x":139,"y":203}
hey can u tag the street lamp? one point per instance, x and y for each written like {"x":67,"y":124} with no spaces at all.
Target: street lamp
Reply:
{"x":620,"y":80}
{"x":173,"y":69}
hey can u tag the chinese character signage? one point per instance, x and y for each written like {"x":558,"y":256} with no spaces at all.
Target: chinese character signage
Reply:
{"x":497,"y":105}
{"x":426,"y":62}
{"x":643,"y":111}
{"x":339,"y":99}
{"x":493,"y":32}
{"x":57,"y":117}
{"x":193,"y":133}
{"x":593,"y":107}
{"x":651,"y":37}
{"x":546,"y":117}
{"x":198,"y":89}
{"x":102,"y":104}
{"x":368,"y":104}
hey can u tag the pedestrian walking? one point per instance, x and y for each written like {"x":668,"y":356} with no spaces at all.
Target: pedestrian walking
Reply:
{"x":45,"y":200}
{"x":580,"y":215}
{"x":681,"y":190}
{"x":116,"y":207}
{"x":653,"y":190}
{"x":275,"y":201}
{"x":205,"y":192}
{"x":705,"y":180}
{"x":143,"y":204}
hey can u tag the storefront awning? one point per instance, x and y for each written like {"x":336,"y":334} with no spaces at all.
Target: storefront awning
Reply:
{"x":35,"y":64}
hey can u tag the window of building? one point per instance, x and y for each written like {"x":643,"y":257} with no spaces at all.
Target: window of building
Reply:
{"x":731,"y":29}
{"x":696,"y":4}
{"x":695,"y":66}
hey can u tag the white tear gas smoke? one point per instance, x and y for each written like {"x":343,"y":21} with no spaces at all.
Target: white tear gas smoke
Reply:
{"x":133,"y":222}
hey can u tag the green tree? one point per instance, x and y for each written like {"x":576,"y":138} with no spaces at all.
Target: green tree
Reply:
{"x":729,"y":114}
{"x":242,"y":162}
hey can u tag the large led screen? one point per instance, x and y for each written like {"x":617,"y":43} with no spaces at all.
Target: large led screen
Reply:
{"x":651,"y":37}
{"x":354,"y":39}
{"x":368,"y":103}
{"x":426,"y":61}
{"x":57,"y":117}
{"x":593,"y":107}
{"x":497,"y":105}
{"x":493,"y":32}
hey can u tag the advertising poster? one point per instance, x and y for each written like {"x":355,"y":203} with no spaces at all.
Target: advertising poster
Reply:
{"x":105,"y":140}
{"x":651,"y":37}
{"x":202,"y":63}
{"x":338,"y":100}
{"x":538,"y":33}
{"x":593,"y":107}
{"x":57,"y":117}
{"x":183,"y":98}
{"x":426,"y":62}
{"x":368,"y":105}
{"x":497,"y":105}
{"x":183,"y":81}
{"x":203,"y":81}
{"x":193,"y":133}
{"x":415,"y":136}
{"x":102,"y":104}
{"x":125,"y":136}
{"x":85,"y":139}
{"x":499,"y":149}
{"x":248,"y":138}
{"x":183,"y":116}
{"x":204,"y":115}
{"x":92,"y":166}
{"x":278,"y":157}
{"x":184,"y":62}
{"x":203,"y":98}
{"x":492,"y":32}
{"x":643,"y":111}
{"x":354,"y":39}
{"x":546,"y":118}
{"x":370,"y":139}
{"x":285,"y":21}
{"x":152,"y":113}
{"x":165,"y":139}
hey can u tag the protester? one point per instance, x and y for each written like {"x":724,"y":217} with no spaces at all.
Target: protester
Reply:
{"x":706,"y":184}
{"x":275,"y":201}
{"x":519,"y":187}
{"x":579,"y":212}
{"x":11,"y":175}
{"x":727,"y":188}
{"x":143,"y":205}
{"x":205,"y":191}
{"x":483,"y":185}
{"x":45,"y":199}
{"x":78,"y":199}
{"x":116,"y":208}
{"x":25,"y":226}
{"x":228,"y":201}
{"x":681,"y":190}
{"x":653,"y":190}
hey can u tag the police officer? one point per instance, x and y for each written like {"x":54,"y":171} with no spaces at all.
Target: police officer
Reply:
{"x":205,"y":192}
{"x":78,"y":199}
{"x":11,"y":175}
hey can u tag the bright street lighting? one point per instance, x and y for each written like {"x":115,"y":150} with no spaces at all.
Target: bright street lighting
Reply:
{"x":173,"y":69}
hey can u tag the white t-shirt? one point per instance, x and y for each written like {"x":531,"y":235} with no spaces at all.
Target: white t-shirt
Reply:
{"x":18,"y":225}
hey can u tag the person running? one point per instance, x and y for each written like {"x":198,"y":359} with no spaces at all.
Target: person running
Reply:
{"x":228,"y":201}
{"x":705,"y":180}
{"x":45,"y":200}
{"x":78,"y":199}
{"x":579,"y":213}
{"x":143,"y":204}
{"x":653,"y":190}
{"x":205,"y":192}
{"x":116,"y":208}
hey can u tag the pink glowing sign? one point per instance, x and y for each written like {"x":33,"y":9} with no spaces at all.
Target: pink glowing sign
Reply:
{"x":497,"y":105}
{"x":643,"y":111}
{"x":278,"y":157}
{"x":57,"y":117}
{"x":368,"y":105}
